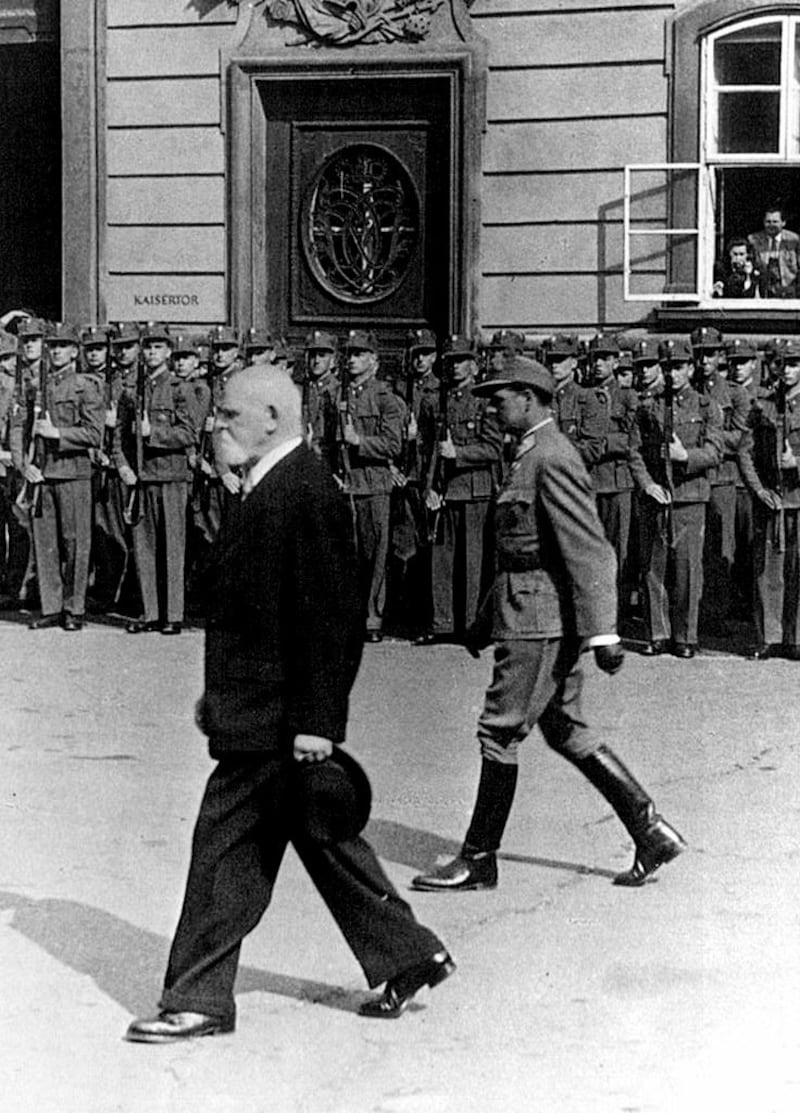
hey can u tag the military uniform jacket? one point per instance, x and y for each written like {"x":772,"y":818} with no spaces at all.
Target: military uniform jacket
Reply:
{"x":320,"y":414}
{"x":604,"y":433}
{"x":76,"y":407}
{"x":377,"y":416}
{"x":734,"y":401}
{"x":556,"y":572}
{"x":567,"y":408}
{"x":425,"y":407}
{"x":473,"y":475}
{"x":762,"y":447}
{"x":697,"y":422}
{"x":7,"y":405}
{"x":174,"y":429}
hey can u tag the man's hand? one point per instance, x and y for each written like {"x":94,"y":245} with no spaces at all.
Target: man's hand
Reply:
{"x":146,"y":426}
{"x":231,"y":482}
{"x":788,"y":459}
{"x":609,"y":658}
{"x":447,"y":450}
{"x":127,"y":475}
{"x":411,"y":428}
{"x":32,"y":474}
{"x":433,"y":501}
{"x":660,"y":494}
{"x":350,"y":434}
{"x":398,"y":478}
{"x":677,"y":452}
{"x":111,"y":417}
{"x":43,"y":427}
{"x":771,"y":499}
{"x":310,"y":747}
{"x":208,"y":424}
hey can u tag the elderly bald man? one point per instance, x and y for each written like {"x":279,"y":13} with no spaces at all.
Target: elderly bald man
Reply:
{"x":283,"y":645}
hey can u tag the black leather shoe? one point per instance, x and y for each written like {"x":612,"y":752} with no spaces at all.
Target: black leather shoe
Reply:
{"x":140,"y":626}
{"x":400,"y":990}
{"x":655,"y":649}
{"x":460,"y":874}
{"x":431,"y":638}
{"x":171,"y":628}
{"x":658,"y":844}
{"x":684,"y":650}
{"x":765,"y":651}
{"x":373,"y":637}
{"x":73,"y":622}
{"x":45,"y":622}
{"x":168,"y":1027}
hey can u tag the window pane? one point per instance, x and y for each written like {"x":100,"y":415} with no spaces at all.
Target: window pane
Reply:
{"x":749,"y":57}
{"x":748,"y":123}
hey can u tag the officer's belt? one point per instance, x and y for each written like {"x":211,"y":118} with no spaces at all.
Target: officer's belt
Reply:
{"x":518,"y":562}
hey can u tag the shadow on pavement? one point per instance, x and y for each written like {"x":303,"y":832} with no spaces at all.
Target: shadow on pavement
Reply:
{"x":127,"y":963}
{"x":409,"y":846}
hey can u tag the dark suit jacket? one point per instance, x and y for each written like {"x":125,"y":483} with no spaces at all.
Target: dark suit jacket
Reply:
{"x":285,"y":628}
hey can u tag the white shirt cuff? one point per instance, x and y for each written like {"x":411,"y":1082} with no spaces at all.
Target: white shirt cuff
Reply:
{"x":601,"y":639}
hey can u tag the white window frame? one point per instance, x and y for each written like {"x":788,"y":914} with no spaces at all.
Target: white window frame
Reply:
{"x":629,"y":232}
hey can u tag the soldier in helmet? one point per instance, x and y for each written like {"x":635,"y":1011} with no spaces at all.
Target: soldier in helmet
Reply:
{"x":504,"y":343}
{"x":560,"y":355}
{"x":372,"y":433}
{"x":59,"y":477}
{"x":319,"y":393}
{"x":257,"y":346}
{"x":14,"y":539}
{"x":676,"y":441}
{"x":463,"y":450}
{"x":168,"y":431}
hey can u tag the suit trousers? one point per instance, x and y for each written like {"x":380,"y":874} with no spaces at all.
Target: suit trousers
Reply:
{"x":672,"y":613}
{"x":159,"y":548}
{"x":776,"y":562}
{"x":457,"y":565}
{"x":242,"y":831}
{"x":372,"y":514}
{"x":535,"y":682}
{"x":62,"y":540}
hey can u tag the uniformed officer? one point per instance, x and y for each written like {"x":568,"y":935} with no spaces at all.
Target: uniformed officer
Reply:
{"x":463,"y":451}
{"x":603,"y":440}
{"x":59,"y":477}
{"x":743,"y":379}
{"x":708,"y":350}
{"x":770,"y":463}
{"x":671,"y":473}
{"x":319,"y":392}
{"x":373,"y":433}
{"x":167,"y":428}
{"x":560,"y":355}
{"x":224,"y":351}
{"x":554,"y":594}
{"x":504,"y":343}
{"x":14,"y":538}
{"x":31,"y":339}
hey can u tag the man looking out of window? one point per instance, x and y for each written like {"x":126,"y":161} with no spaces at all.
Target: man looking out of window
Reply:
{"x":777,"y":252}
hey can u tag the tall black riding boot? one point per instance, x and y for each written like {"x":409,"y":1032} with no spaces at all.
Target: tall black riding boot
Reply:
{"x":656,"y":841}
{"x":475,"y":867}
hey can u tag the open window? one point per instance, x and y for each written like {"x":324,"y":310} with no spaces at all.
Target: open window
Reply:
{"x":747,"y":136}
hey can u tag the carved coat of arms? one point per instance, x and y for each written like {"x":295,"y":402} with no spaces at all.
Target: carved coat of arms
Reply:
{"x":348,"y":22}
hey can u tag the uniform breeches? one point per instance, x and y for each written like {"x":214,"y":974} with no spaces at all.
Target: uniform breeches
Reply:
{"x":372,"y":514}
{"x":535,"y":682}
{"x":776,"y":575}
{"x":159,"y":547}
{"x":62,"y":538}
{"x":239,"y":841}
{"x":457,"y":565}
{"x":673,"y":614}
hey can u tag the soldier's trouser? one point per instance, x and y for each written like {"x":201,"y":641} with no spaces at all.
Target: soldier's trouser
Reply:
{"x":372,"y":514}
{"x":719,"y":547}
{"x":159,"y":541}
{"x":614,"y":511}
{"x":457,"y":562}
{"x":675,"y":614}
{"x":62,"y":538}
{"x":537,"y":682}
{"x":242,"y":831}
{"x":109,"y":538}
{"x":14,"y":540}
{"x":744,"y":533}
{"x":776,"y":576}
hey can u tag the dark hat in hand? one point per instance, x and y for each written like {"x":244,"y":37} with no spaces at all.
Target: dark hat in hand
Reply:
{"x":332,"y":798}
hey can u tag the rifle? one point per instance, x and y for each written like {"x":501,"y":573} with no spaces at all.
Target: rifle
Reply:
{"x":669,"y":431}
{"x":305,"y":392}
{"x":107,"y":447}
{"x":133,"y":508}
{"x":30,"y":494}
{"x":781,"y":442}
{"x":343,"y":469}
{"x":201,"y":489}
{"x":437,"y":468}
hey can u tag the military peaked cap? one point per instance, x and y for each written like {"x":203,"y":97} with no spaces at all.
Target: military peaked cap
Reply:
{"x":741,"y":348}
{"x":320,"y":341}
{"x":646,"y":350}
{"x":708,"y":338}
{"x":458,"y":346}
{"x":421,"y":340}
{"x":125,"y":332}
{"x":604,"y":344}
{"x":184,"y":344}
{"x":255,"y":338}
{"x":155,"y":330}
{"x":360,"y":340}
{"x":790,"y":349}
{"x":518,"y":371}
{"x":561,"y":346}
{"x":61,"y":331}
{"x":95,"y":334}
{"x":507,"y":340}
{"x":31,"y":326}
{"x":223,"y":335}
{"x":675,"y":350}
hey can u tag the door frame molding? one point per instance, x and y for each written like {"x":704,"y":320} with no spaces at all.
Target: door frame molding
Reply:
{"x":463,"y":67}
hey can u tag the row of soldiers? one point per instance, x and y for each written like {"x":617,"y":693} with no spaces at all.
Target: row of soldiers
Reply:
{"x":109,"y":454}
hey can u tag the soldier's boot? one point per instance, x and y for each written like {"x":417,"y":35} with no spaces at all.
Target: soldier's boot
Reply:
{"x":656,"y":841}
{"x":475,"y":866}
